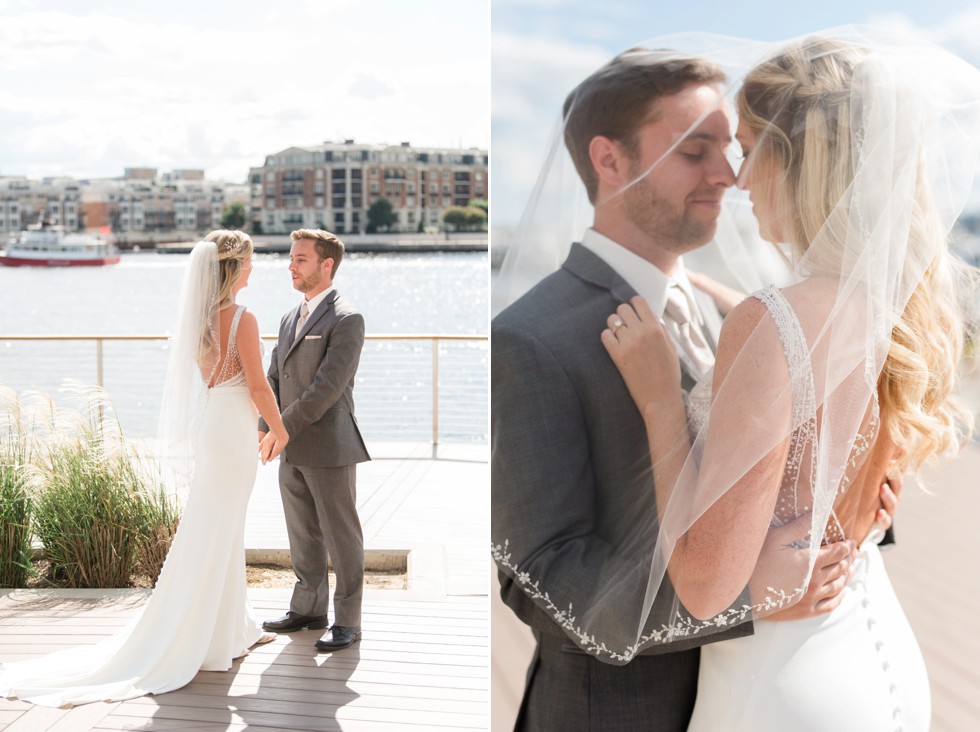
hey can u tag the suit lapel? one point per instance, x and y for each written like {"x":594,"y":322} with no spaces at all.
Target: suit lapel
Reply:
{"x":322,"y":309}
{"x":585,"y":264}
{"x":290,"y":335}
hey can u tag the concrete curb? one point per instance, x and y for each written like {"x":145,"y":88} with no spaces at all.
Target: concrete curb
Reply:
{"x":379,"y":560}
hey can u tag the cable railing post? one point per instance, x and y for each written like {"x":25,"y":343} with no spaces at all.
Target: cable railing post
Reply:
{"x":98,"y":362}
{"x":435,"y":391}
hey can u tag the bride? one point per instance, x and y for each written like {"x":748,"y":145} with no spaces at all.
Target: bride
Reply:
{"x":198,"y":616}
{"x":819,"y":386}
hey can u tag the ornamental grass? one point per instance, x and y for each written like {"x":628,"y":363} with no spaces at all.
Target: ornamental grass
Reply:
{"x":98,"y":514}
{"x":15,"y":496}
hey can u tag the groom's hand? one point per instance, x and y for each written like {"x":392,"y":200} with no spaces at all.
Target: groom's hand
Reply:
{"x":830,"y":576}
{"x":261,"y":436}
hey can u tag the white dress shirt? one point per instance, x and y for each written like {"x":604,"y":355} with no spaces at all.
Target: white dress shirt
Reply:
{"x":311,"y":305}
{"x":647,"y":279}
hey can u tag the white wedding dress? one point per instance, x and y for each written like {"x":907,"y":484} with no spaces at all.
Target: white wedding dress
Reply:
{"x":198,"y":617}
{"x":857,"y":668}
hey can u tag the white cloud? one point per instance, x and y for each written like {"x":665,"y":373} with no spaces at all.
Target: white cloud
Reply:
{"x":370,"y":87}
{"x":195,"y":93}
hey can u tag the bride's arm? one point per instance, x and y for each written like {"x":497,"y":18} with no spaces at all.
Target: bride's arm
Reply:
{"x":250,"y":352}
{"x":717,"y":550}
{"x":725,"y":297}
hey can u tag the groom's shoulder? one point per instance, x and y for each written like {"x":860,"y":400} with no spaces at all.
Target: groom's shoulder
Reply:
{"x":548,"y":297}
{"x":556,"y":310}
{"x":343,"y":306}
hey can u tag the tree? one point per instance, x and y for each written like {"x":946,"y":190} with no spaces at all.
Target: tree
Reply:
{"x":455,"y":217}
{"x":470,"y":218}
{"x":421,"y":227}
{"x":476,"y":218}
{"x":234,"y":216}
{"x":481,"y":204}
{"x":381,"y":216}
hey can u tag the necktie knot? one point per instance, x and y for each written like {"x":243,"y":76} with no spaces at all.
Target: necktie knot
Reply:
{"x":678,"y":308}
{"x":687,"y":330}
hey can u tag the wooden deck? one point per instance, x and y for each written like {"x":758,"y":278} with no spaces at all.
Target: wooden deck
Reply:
{"x":421,"y":665}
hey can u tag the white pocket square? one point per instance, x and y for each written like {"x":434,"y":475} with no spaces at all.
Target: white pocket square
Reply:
{"x":312,"y":338}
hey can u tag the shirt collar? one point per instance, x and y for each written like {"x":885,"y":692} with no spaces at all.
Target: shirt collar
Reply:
{"x":314,"y":302}
{"x":649,"y":281}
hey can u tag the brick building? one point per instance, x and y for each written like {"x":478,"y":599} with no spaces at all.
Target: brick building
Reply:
{"x":331,"y":186}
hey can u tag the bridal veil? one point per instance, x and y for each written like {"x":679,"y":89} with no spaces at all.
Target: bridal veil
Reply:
{"x":193,"y":363}
{"x":895,"y":136}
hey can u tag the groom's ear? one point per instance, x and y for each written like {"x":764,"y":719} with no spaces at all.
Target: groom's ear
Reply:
{"x":609,"y":161}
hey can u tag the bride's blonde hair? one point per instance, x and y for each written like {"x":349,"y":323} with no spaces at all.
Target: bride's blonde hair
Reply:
{"x":799,"y":105}
{"x":234,"y":248}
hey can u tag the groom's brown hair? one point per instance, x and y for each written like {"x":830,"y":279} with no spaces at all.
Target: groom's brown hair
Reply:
{"x":615,"y":100}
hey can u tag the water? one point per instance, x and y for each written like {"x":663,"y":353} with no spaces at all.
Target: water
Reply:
{"x":442,"y":293}
{"x":431,"y":293}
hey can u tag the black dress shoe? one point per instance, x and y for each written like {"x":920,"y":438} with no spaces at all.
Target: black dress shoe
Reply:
{"x":342,"y":637}
{"x":294,"y":621}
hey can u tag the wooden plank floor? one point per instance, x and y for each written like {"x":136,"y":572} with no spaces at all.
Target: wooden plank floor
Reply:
{"x":421,"y":665}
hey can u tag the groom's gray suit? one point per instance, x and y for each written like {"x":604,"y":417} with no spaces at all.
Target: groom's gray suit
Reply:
{"x":570,"y":467}
{"x":312,"y":376}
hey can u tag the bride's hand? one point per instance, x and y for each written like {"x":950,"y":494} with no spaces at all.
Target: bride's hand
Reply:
{"x":271,"y":446}
{"x":266,"y":445}
{"x":644,"y":353}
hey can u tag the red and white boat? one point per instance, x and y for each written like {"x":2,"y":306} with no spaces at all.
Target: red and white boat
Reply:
{"x":53,"y":246}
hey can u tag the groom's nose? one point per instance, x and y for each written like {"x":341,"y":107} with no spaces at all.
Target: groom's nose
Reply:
{"x":721,"y":172}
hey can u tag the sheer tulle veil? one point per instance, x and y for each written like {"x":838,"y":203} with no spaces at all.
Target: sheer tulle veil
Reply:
{"x":194,"y":358}
{"x":881,"y":144}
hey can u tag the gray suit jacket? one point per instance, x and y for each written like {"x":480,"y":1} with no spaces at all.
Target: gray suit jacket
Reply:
{"x":570,"y":463}
{"x":312,"y":377}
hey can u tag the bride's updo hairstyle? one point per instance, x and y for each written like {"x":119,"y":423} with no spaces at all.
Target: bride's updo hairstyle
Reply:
{"x":801,"y":105}
{"x":234,"y":248}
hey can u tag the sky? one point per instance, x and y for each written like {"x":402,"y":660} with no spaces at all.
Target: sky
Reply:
{"x":88,"y":88}
{"x":540,"y":49}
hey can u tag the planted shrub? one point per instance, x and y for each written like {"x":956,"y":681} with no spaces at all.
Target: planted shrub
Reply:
{"x":15,"y":494}
{"x":99,"y":515}
{"x":160,"y":517}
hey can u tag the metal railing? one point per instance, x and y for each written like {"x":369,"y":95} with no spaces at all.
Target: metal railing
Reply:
{"x":470,"y":395}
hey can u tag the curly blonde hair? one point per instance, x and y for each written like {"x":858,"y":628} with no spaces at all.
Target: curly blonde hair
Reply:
{"x":799,"y":106}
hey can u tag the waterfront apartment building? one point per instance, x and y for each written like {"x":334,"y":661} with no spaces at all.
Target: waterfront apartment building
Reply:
{"x":142,"y":205}
{"x":331,"y":186}
{"x":23,"y":201}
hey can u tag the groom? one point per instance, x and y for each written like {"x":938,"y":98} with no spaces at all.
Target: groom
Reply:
{"x":570,"y":462}
{"x":312,"y":376}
